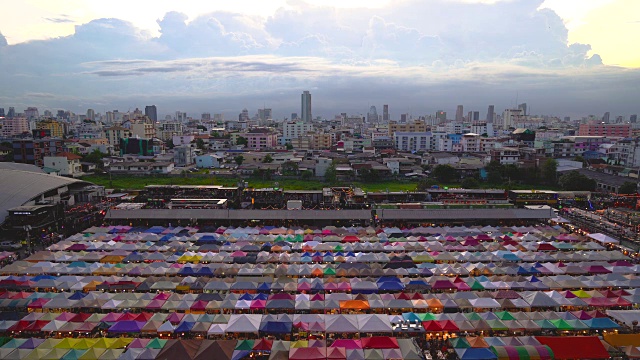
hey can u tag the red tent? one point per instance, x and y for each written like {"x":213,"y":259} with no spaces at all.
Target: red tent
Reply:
{"x":310,"y":353}
{"x":350,"y":239}
{"x":347,"y":344}
{"x":379,"y":342}
{"x":82,"y":317}
{"x":36,"y":326}
{"x":336,"y":353}
{"x":263,"y":345}
{"x":448,"y":325}
{"x":432,"y":326}
{"x":575,"y":347}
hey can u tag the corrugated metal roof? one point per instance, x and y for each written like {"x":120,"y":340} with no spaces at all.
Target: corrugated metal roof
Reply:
{"x":18,"y":187}
{"x":464,"y":214}
{"x":223,"y":214}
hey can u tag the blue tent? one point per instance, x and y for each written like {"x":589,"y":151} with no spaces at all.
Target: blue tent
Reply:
{"x":204,"y":271}
{"x":187,"y":271}
{"x":390,"y":286}
{"x":276,"y":327}
{"x":601,"y":323}
{"x":184,"y":326}
{"x":476,"y":354}
{"x":78,"y":295}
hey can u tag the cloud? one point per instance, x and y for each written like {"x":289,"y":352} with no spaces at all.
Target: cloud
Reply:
{"x":401,"y":55}
{"x":61,"y":19}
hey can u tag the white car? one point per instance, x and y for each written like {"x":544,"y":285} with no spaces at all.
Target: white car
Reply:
{"x":10,"y":245}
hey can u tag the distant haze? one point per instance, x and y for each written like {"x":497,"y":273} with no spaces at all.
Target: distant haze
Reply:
{"x":416,"y":56}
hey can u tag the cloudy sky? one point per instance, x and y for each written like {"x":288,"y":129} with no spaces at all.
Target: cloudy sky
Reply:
{"x":563,"y":57}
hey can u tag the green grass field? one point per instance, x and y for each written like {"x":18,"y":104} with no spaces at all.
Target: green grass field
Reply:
{"x":137,"y":183}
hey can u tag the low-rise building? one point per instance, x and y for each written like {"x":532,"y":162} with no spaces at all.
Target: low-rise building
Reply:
{"x":66,"y":163}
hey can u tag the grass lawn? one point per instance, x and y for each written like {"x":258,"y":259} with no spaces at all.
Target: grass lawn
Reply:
{"x":137,"y":183}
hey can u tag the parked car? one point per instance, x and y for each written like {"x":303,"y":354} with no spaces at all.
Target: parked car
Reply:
{"x":10,"y":245}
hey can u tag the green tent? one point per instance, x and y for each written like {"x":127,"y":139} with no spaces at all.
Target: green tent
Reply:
{"x":505,"y":315}
{"x":561,"y":324}
{"x":426,"y":316}
{"x":473,"y":316}
{"x":245,"y":345}
{"x":156,"y":343}
{"x":73,"y":354}
{"x":545,"y":324}
{"x":459,"y":343}
{"x":497,"y":325}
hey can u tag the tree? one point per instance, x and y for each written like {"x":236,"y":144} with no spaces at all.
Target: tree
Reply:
{"x":95,"y":157}
{"x":549,"y":169}
{"x":264,"y":174}
{"x":200,"y":144}
{"x":470,"y":183}
{"x":215,"y":134}
{"x":574,"y":181}
{"x":368,"y":175}
{"x":445,"y":173}
{"x":628,"y":188}
{"x":289,"y":168}
{"x":169,"y":144}
{"x":289,"y":146}
{"x":201,"y":127}
{"x":267,"y":159}
{"x":494,"y":172}
{"x":241,"y":140}
{"x":306,"y":174}
{"x":239,"y":159}
{"x":425,"y":184}
{"x":331,"y":175}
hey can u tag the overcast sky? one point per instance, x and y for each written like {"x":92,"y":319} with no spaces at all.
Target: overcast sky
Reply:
{"x":562,"y":57}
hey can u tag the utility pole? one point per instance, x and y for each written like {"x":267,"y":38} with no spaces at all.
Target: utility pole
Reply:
{"x":27,"y":228}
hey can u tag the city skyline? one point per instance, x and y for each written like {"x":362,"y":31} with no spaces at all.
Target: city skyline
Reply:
{"x":351,"y":56}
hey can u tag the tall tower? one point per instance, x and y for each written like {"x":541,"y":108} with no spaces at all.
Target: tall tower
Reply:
{"x":523,"y":107}
{"x":151,"y":112}
{"x":459,"y":113}
{"x":91,"y":114}
{"x":605,"y":118}
{"x":372,"y":116}
{"x":632,"y":119}
{"x":306,"y":106}
{"x":490,"y":114}
{"x":385,"y":113}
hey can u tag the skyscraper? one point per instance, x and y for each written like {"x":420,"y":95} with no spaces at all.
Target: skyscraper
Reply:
{"x":632,"y":119}
{"x":523,"y":107}
{"x":459,"y":113}
{"x":1,"y":112}
{"x":490,"y":114}
{"x":264,"y":114}
{"x":151,"y":111}
{"x":385,"y":113}
{"x":605,"y":118}
{"x":306,"y":106}
{"x":475,"y":116}
{"x":372,"y":115}
{"x":441,"y":115}
{"x":91,"y":114}
{"x":11,"y":113}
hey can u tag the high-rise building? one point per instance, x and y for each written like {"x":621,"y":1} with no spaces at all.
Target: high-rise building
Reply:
{"x":605,"y":118}
{"x":31,"y":113}
{"x":1,"y":112}
{"x":523,"y":107}
{"x":11,"y":113}
{"x":91,"y":114}
{"x":372,"y":115}
{"x":632,"y":119}
{"x":490,"y":114}
{"x":244,"y":115}
{"x":151,"y":111}
{"x":205,"y":117}
{"x":385,"y":113}
{"x":459,"y":113}
{"x":510,"y":117}
{"x":265,"y":114}
{"x":306,"y":106}
{"x":294,"y":116}
{"x":474,"y":115}
{"x":441,"y":116}
{"x":567,"y":119}
{"x":404,"y":117}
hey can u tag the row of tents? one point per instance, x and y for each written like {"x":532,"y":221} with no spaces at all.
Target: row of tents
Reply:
{"x":373,"y":348}
{"x":337,"y":301}
{"x":180,"y":324}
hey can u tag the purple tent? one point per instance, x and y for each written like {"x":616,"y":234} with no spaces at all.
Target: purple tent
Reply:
{"x":127,"y":326}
